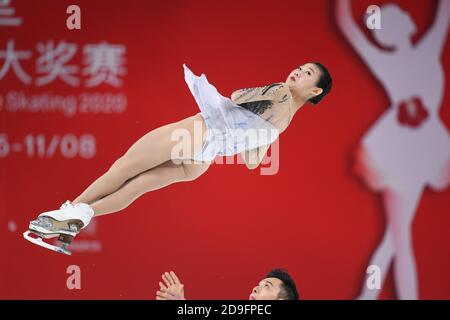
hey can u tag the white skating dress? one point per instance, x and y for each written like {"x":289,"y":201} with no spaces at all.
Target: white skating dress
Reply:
{"x":231,"y":128}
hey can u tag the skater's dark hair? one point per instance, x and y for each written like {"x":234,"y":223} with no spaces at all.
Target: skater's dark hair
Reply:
{"x":325,"y":82}
{"x":288,"y":288}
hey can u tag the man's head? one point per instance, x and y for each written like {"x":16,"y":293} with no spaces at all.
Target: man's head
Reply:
{"x":277,"y":285}
{"x":310,"y":82}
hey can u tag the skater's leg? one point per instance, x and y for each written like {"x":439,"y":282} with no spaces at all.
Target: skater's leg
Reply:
{"x":404,"y":206}
{"x":148,"y":152}
{"x":152,"y":179}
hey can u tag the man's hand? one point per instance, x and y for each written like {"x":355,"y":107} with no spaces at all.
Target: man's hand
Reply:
{"x":172,"y":290}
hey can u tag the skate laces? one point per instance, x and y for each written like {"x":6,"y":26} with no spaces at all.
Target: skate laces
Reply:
{"x":66,"y":204}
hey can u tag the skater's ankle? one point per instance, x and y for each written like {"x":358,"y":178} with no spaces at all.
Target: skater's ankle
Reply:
{"x":96,"y":210}
{"x":74,"y":202}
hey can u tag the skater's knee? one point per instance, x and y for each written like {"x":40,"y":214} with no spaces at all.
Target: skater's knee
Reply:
{"x":125,"y":165}
{"x":192,"y":170}
{"x":135,"y":190}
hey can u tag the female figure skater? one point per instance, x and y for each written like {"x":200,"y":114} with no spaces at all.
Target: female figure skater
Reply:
{"x":152,"y":162}
{"x":408,"y":148}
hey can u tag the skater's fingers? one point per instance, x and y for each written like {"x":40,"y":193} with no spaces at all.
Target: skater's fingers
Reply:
{"x":164,"y":295}
{"x":166,"y":280}
{"x":169,"y":277}
{"x":162,"y":286}
{"x":174,"y":277}
{"x":159,"y":296}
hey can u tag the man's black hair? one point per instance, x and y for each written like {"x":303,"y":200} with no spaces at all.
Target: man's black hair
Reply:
{"x":288,"y":288}
{"x":325,"y":82}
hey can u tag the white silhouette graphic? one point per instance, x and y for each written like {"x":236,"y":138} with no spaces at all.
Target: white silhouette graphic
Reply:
{"x":7,"y":15}
{"x":408,"y":147}
{"x":104,"y":64}
{"x":52,"y":62}
{"x":12,"y":61}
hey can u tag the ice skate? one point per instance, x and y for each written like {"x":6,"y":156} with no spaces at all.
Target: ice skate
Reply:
{"x":64,"y":223}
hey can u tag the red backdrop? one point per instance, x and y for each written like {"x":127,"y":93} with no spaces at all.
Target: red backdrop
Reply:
{"x":222,"y":232}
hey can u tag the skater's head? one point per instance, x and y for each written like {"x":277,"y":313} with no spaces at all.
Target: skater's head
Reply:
{"x":397,"y":29}
{"x":309,"y":82}
{"x":277,"y":285}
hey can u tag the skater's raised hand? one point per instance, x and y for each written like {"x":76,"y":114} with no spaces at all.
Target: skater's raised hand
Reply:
{"x":172,"y":289}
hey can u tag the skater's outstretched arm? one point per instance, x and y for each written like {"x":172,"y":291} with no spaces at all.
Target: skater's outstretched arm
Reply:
{"x":171,"y":289}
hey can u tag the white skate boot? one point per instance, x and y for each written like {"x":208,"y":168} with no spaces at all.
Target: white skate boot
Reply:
{"x":64,"y":223}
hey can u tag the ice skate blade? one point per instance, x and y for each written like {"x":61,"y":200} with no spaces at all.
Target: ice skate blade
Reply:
{"x":48,"y":234}
{"x":38,"y":241}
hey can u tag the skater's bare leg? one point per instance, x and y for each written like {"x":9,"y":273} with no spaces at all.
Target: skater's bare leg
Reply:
{"x":152,"y":179}
{"x":153,"y":149}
